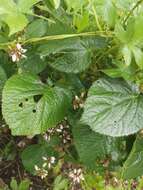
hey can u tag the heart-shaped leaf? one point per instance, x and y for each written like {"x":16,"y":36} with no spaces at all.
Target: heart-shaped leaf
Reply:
{"x":30,"y":107}
{"x":113,"y":108}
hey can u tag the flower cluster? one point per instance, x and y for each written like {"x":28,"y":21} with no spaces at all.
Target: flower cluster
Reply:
{"x":64,"y":133}
{"x":41,"y":172}
{"x":78,"y":101}
{"x":62,"y":130}
{"x":76,"y":176}
{"x":74,"y":173}
{"x":17,"y":52}
{"x":48,"y":134}
{"x":48,"y":164}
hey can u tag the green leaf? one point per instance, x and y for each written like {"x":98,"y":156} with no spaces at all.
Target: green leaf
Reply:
{"x":30,"y":107}
{"x":126,"y":72}
{"x":61,"y":183}
{"x":59,"y":28}
{"x":7,"y":6}
{"x":95,"y":43}
{"x":138,"y":54}
{"x":93,"y":147}
{"x":29,"y":161}
{"x":114,"y":73}
{"x":37,"y":28}
{"x":124,"y":5}
{"x":16,"y":22}
{"x":73,"y":57}
{"x":3,"y":78}
{"x":13,"y":184}
{"x":53,"y":4}
{"x":125,"y":36}
{"x":24,"y":185}
{"x":33,"y":63}
{"x":133,"y":166}
{"x":56,"y":3}
{"x":130,"y":30}
{"x":94,"y":181}
{"x":9,"y":68}
{"x":138,"y":28}
{"x":81,"y":21}
{"x":110,"y":14}
{"x":127,"y":54}
{"x":12,"y":13}
{"x":75,"y":4}
{"x":120,"y":33}
{"x":113,"y":108}
{"x":24,"y":6}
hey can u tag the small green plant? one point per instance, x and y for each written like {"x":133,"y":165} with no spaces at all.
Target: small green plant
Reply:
{"x":71,"y":88}
{"x":24,"y":185}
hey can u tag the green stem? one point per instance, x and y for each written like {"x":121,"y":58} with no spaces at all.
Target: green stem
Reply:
{"x":6,"y":44}
{"x":132,"y":10}
{"x":59,"y":37}
{"x":96,"y":17}
{"x":42,"y":17}
{"x":64,"y":36}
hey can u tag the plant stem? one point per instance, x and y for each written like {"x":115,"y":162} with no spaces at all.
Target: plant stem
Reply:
{"x":42,"y":17}
{"x":59,"y":37}
{"x":64,"y":36}
{"x":132,"y":10}
{"x":96,"y":17}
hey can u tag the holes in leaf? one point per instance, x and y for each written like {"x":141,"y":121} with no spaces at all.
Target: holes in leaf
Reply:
{"x":34,"y":111}
{"x":26,"y":99}
{"x":42,"y":76}
{"x":21,"y":105}
{"x":44,"y":81}
{"x":37,"y":98}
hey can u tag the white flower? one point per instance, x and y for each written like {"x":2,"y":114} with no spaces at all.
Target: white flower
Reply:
{"x":44,"y":165}
{"x":36,"y":167}
{"x":14,"y":58}
{"x":59,"y":130}
{"x":17,"y":52}
{"x":19,"y":47}
{"x":53,"y":159}
{"x":44,"y":158}
{"x":47,"y":137}
{"x":41,"y":172}
{"x":49,"y":161}
{"x":76,"y":176}
{"x":44,"y":174}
